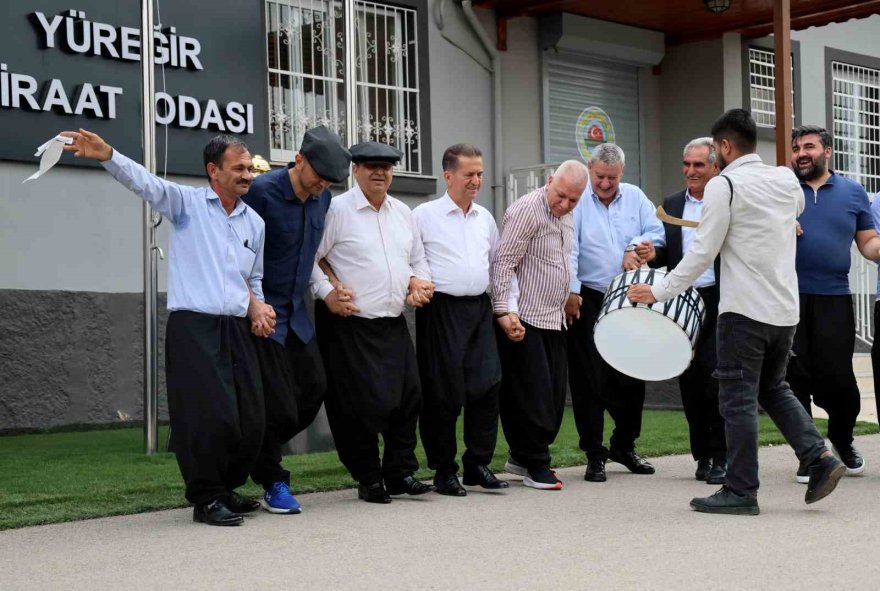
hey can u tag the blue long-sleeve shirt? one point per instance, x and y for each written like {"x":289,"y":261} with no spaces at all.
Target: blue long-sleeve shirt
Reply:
{"x":214,"y":256}
{"x":293,"y":232}
{"x":601,"y":234}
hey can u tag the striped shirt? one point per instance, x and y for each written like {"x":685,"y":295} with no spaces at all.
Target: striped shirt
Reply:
{"x":535,"y":247}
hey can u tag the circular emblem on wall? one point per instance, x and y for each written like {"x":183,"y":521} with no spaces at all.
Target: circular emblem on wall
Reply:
{"x":593,"y":127}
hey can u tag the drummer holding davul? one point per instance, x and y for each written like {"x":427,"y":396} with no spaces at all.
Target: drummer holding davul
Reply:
{"x":749,"y":217}
{"x":615,"y":229}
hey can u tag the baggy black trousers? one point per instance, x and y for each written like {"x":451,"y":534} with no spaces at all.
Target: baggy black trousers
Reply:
{"x":459,"y":369}
{"x":596,"y":386}
{"x":215,"y":401}
{"x":532,"y":398}
{"x":372,"y":388}
{"x":699,"y":390}
{"x":294,"y":385}
{"x":821,"y":365}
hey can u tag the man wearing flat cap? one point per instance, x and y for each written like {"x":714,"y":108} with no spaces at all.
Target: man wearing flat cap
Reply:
{"x":293,"y":201}
{"x":373,"y":247}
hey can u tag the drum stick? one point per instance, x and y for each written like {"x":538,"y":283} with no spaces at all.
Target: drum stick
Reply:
{"x":668,"y":219}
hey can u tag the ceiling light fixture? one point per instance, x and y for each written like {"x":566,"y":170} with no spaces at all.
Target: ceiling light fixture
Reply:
{"x":717,"y":6}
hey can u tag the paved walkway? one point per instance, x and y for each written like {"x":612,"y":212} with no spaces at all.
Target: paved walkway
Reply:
{"x":633,"y":532}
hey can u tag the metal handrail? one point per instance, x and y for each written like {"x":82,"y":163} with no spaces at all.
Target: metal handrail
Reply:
{"x":863,"y":285}
{"x":521,"y":180}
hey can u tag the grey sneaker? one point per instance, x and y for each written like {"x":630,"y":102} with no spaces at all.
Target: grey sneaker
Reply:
{"x":726,"y":502}
{"x":511,"y":466}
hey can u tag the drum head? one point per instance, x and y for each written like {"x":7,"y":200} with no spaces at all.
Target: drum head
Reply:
{"x":643,"y":344}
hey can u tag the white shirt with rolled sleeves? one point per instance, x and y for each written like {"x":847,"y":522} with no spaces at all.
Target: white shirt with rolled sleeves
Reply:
{"x":214,"y":256}
{"x":755,"y":234}
{"x":374,"y":252}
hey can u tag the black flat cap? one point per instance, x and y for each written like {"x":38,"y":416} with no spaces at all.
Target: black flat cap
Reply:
{"x":326,"y":153}
{"x":375,"y":152}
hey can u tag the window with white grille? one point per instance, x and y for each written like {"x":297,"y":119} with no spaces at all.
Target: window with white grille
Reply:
{"x":856,"y":123}
{"x":762,"y":86}
{"x":309,"y":54}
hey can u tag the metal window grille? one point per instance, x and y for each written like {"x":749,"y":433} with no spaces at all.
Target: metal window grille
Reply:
{"x":856,"y":129}
{"x":762,"y":86}
{"x":856,"y":120}
{"x":310,"y":50}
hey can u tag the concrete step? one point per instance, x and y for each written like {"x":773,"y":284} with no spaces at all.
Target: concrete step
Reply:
{"x":866,"y":384}
{"x":862,"y":363}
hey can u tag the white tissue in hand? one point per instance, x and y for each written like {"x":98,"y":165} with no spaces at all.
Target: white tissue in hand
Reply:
{"x":51,"y":152}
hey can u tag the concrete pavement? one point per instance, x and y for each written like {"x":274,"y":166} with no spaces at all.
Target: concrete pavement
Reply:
{"x":633,"y":532}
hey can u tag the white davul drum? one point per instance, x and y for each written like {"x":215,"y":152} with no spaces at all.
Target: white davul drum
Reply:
{"x":648,"y":342}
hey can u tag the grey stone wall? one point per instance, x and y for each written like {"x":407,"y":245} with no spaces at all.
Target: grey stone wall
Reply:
{"x":72,"y":357}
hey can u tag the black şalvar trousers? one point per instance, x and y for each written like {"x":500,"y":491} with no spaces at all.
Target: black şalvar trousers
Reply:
{"x":699,"y":390}
{"x":372,"y":388}
{"x":532,"y":398}
{"x":294,"y":384}
{"x":596,"y":387}
{"x":459,"y":368}
{"x":821,"y":365}
{"x":215,"y":401}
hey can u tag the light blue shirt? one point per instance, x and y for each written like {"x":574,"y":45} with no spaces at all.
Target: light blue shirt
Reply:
{"x":602,"y":233}
{"x":214,"y":256}
{"x":693,"y":209}
{"x":875,"y":213}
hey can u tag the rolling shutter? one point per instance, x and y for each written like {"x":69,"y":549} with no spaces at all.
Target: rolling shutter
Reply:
{"x":573,"y":83}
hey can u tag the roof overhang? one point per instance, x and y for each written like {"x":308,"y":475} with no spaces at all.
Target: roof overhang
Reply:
{"x":683,"y":21}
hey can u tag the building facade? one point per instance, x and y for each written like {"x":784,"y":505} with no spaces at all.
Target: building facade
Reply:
{"x":413,"y":73}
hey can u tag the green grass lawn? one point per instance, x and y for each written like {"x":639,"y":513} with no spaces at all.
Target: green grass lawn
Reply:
{"x":54,"y":477}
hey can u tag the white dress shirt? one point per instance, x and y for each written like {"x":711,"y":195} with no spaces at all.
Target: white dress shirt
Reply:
{"x":458,"y":245}
{"x":756,"y":237}
{"x":693,"y":209}
{"x":374,"y":252}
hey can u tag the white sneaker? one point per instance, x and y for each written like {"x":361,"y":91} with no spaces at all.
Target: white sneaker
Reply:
{"x":511,"y":466}
{"x":852,"y":459}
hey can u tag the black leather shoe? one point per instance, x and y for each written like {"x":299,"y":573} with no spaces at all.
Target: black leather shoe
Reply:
{"x":407,"y":485}
{"x":482,"y":476}
{"x":448,"y":484}
{"x":239,"y":504}
{"x":633,"y":461}
{"x":825,"y":473}
{"x":718,"y":473}
{"x":373,"y":493}
{"x":726,"y":502}
{"x":595,"y":471}
{"x":703,"y":467}
{"x":216,"y":513}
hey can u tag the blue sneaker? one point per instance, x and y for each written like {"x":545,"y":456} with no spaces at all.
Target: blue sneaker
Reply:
{"x":279,"y":500}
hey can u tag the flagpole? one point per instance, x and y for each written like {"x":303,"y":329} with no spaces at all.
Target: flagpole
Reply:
{"x":150,"y":264}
